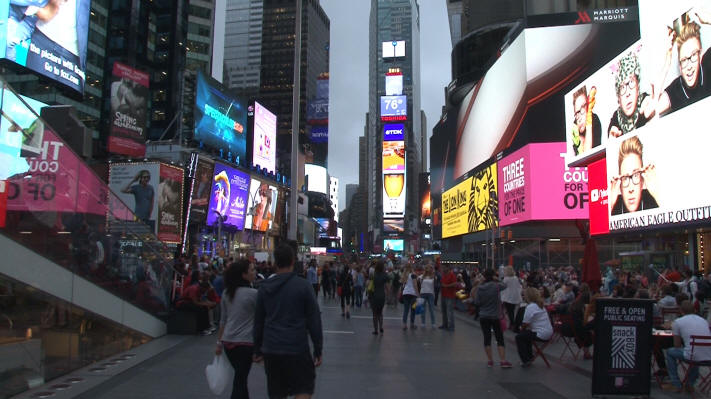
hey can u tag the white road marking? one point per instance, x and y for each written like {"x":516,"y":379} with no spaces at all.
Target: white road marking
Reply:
{"x":338,"y":332}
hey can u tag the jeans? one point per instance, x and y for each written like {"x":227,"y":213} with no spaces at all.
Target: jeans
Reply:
{"x":358,"y":295}
{"x":429,"y":303}
{"x":240,"y":358}
{"x":673,"y":356}
{"x":407,"y":301}
{"x":448,"y":313}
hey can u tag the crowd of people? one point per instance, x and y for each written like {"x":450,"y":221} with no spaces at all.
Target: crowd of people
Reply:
{"x":237,"y":297}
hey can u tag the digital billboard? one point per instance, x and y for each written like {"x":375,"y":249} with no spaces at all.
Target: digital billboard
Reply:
{"x":472,"y":205}
{"x":319,"y":134}
{"x":261,"y":207}
{"x":393,"y":156}
{"x":47,"y":37}
{"x":393,"y":108}
{"x":220,"y":120}
{"x":535,"y":184}
{"x":393,"y":132}
{"x":129,"y":108}
{"x":425,"y":201}
{"x":393,"y":84}
{"x":21,"y":132}
{"x":394,"y":49}
{"x":264,"y":148}
{"x":228,"y":198}
{"x":393,"y":226}
{"x":170,"y":204}
{"x":654,"y":181}
{"x":200,"y":195}
{"x":393,"y":245}
{"x":599,"y":209}
{"x":317,"y":178}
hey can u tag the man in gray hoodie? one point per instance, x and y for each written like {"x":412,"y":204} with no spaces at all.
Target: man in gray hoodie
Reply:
{"x":286,"y":315}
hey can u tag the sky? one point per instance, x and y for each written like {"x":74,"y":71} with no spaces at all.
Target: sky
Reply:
{"x":349,"y":78}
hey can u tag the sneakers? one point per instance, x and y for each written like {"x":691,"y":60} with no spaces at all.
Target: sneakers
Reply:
{"x":490,"y":364}
{"x":505,"y":364}
{"x":527,"y":364}
{"x":672,"y":388}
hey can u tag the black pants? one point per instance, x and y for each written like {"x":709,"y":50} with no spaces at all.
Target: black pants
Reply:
{"x":241,"y":360}
{"x":486,"y":326}
{"x":524,"y":344}
{"x":511,"y":313}
{"x":519,"y":319}
{"x":436,"y":296}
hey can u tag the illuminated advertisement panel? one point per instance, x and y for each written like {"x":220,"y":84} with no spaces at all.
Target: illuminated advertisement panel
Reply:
{"x":472,"y":205}
{"x":228,"y":198}
{"x":393,"y":84}
{"x":394,"y":49}
{"x":654,"y":181}
{"x":47,"y":37}
{"x":317,"y":177}
{"x":261,"y":206}
{"x":394,"y":179}
{"x":220,"y":120}
{"x":535,"y":184}
{"x":393,"y":156}
{"x":21,"y":132}
{"x":170,"y":204}
{"x":599,"y":212}
{"x":393,"y":108}
{"x":264,"y":148}
{"x":393,"y":245}
{"x":393,"y":132}
{"x":425,"y":201}
{"x":129,"y":108}
{"x":393,"y":226}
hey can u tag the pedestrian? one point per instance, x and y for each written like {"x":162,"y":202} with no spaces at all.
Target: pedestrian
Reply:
{"x":345,"y":283}
{"x":536,"y":325}
{"x":427,"y":293}
{"x":437,"y":285}
{"x":312,"y":275}
{"x":490,"y":313}
{"x":511,"y":295}
{"x":326,"y":281}
{"x":286,"y":315}
{"x":237,"y":324}
{"x":410,"y":293}
{"x":377,"y":301}
{"x":449,"y":290}
{"x":358,"y":284}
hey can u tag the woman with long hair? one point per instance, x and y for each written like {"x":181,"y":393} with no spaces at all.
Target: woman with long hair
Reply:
{"x":488,"y":301}
{"x":409,"y":295}
{"x":238,"y":304}
{"x":511,"y":295}
{"x":427,"y":293}
{"x":377,"y":301}
{"x":536,"y":325}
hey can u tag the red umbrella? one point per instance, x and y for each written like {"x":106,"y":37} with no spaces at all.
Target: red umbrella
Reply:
{"x":591,"y":267}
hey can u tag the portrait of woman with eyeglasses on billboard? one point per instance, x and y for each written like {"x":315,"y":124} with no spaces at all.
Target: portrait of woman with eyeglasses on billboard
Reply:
{"x":634,"y":188}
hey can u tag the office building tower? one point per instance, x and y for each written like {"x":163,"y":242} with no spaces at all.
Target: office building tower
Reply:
{"x":394,"y":75}
{"x":243,"y":45}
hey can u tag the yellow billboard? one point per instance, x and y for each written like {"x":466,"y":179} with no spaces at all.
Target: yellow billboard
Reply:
{"x":472,"y":205}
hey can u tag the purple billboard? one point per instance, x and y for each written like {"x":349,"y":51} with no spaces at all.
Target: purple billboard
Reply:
{"x":228,"y":197}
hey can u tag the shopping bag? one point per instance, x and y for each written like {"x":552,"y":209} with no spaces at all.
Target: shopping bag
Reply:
{"x":219,"y":374}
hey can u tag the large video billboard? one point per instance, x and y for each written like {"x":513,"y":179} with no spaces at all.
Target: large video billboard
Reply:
{"x":393,"y":108}
{"x":393,"y":84}
{"x":393,"y":156}
{"x":228,"y":198}
{"x":220,"y":120}
{"x":261,"y":206}
{"x":393,"y":132}
{"x":536,"y":184}
{"x":154,"y":192}
{"x":21,"y":132}
{"x":200,"y":195}
{"x":472,"y":205}
{"x":425,"y":201}
{"x":393,"y":245}
{"x":264,"y":148}
{"x":129,"y":108}
{"x":48,"y":37}
{"x":317,"y":177}
{"x":393,"y":49}
{"x":394,"y":179}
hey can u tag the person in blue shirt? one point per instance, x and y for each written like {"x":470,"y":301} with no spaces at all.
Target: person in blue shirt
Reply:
{"x":312,"y":276}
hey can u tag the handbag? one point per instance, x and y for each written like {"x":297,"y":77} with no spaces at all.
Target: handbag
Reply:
{"x":370,"y":289}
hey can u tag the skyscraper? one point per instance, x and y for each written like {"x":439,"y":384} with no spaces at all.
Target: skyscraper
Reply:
{"x":260,"y":38}
{"x":393,"y":23}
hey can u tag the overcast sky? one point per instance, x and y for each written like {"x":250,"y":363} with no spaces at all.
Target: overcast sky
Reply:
{"x":349,"y":78}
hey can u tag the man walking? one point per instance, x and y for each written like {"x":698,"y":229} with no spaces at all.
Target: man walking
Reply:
{"x":286,"y":314}
{"x":449,"y":289}
{"x":312,"y":276}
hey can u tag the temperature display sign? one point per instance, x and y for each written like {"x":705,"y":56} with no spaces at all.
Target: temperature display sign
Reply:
{"x":393,"y":108}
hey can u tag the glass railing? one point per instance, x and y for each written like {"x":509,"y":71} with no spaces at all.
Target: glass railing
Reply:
{"x":55,"y":205}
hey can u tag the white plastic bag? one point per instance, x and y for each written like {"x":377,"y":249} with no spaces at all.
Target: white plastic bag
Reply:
{"x":219,"y":374}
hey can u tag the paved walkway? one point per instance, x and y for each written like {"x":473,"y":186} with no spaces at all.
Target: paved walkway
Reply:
{"x":424,"y":363}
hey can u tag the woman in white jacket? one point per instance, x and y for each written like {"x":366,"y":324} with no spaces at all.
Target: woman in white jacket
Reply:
{"x":511,"y":295}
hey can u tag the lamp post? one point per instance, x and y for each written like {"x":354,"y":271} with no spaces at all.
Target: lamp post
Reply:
{"x":296,"y":107}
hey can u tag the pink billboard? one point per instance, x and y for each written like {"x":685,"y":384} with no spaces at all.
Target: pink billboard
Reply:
{"x":535,"y":184}
{"x":57,"y":181}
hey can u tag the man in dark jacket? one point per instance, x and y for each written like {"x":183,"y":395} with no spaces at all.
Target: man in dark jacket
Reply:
{"x":286,"y":314}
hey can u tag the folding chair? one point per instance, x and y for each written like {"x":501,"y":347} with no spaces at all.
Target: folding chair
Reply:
{"x":538,"y":347}
{"x":568,"y":337}
{"x":698,"y":341}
